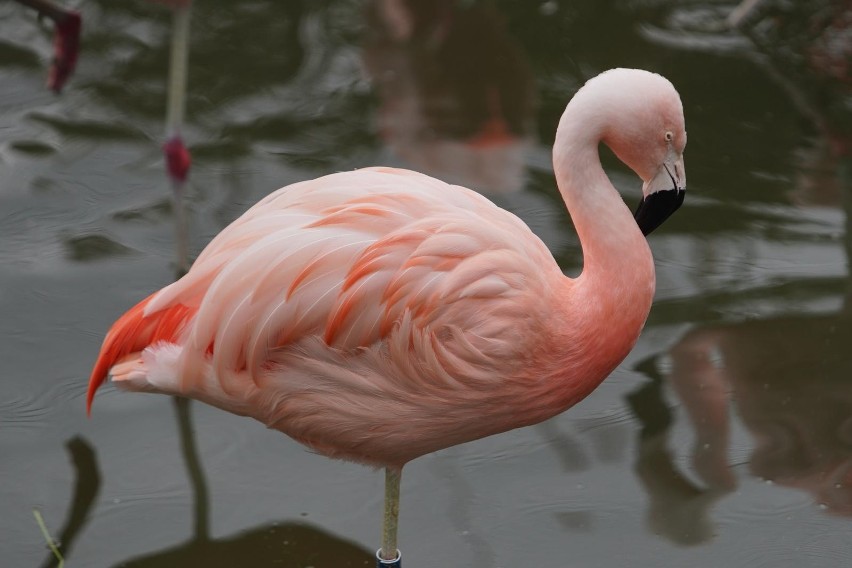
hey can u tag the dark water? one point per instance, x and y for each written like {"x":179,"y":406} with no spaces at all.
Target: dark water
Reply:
{"x":725,"y":439}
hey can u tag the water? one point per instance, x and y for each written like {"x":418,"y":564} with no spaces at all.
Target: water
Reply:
{"x":723,"y":440}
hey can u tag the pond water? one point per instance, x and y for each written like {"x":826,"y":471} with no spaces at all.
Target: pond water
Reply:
{"x":725,"y":438}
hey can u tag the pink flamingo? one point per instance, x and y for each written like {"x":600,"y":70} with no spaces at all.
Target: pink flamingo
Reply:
{"x":380,"y":314}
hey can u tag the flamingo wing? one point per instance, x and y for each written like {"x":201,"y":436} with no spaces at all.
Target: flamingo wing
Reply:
{"x":347,"y":258}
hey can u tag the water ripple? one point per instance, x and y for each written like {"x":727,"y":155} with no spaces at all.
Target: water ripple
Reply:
{"x":32,"y":409}
{"x":89,"y":128}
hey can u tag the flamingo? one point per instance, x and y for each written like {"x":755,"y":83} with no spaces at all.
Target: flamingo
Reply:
{"x":378,"y":315}
{"x":434,"y":113}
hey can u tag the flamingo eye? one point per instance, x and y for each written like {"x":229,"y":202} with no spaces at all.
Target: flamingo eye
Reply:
{"x":669,"y":136}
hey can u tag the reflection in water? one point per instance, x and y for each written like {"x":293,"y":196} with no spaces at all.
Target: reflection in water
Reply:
{"x":86,"y":487}
{"x":788,"y":380}
{"x":200,"y":495}
{"x":462,"y":494}
{"x":572,"y":457}
{"x":85,"y":248}
{"x":678,"y":509}
{"x":805,"y":48}
{"x":456,"y":94}
{"x":289,"y":544}
{"x":785,"y":377}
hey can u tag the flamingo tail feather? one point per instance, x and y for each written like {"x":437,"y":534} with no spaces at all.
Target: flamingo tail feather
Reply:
{"x":133,"y":332}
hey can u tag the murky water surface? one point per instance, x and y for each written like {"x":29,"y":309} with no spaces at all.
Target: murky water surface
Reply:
{"x":725,"y":439}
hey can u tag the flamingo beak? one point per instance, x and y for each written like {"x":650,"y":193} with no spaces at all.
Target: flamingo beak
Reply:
{"x":663,"y":195}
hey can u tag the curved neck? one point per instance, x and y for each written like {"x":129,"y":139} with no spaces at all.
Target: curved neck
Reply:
{"x":616,"y":256}
{"x":607,"y":305}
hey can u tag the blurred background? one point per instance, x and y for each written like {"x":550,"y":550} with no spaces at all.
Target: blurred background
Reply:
{"x":725,"y":439}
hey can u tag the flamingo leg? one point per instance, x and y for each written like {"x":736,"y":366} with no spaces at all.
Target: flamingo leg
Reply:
{"x":176,"y":154}
{"x":388,"y":555}
{"x":178,"y":61}
{"x":194,"y":469}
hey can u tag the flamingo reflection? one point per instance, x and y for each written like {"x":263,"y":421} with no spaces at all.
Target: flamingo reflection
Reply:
{"x":288,"y":543}
{"x":455,"y":92}
{"x":786,"y":378}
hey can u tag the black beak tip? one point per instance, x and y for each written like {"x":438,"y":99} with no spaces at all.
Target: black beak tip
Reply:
{"x":658,"y":207}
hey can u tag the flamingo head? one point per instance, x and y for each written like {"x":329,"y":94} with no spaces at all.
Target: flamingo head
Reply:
{"x":642,"y":123}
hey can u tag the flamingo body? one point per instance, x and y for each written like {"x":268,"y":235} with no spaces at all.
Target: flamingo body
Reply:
{"x":380,"y":314}
{"x":373,"y":315}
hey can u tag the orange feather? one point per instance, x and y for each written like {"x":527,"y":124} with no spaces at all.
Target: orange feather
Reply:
{"x":133,"y":332}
